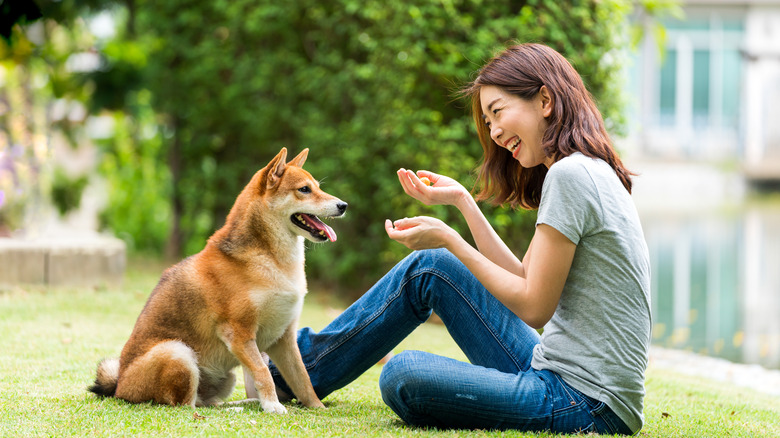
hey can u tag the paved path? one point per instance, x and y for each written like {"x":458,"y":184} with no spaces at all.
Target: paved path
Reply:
{"x":751,"y":376}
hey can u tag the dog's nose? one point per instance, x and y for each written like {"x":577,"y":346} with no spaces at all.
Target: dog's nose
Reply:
{"x":342,"y":206}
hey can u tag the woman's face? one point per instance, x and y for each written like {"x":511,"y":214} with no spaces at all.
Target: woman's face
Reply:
{"x":517,"y":125}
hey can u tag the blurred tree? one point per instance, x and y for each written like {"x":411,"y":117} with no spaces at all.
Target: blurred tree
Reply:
{"x":367,"y":85}
{"x":214,"y":89}
{"x":40,"y":99}
{"x":16,"y":12}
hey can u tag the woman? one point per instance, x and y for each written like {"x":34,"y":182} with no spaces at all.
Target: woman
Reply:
{"x":584,"y":277}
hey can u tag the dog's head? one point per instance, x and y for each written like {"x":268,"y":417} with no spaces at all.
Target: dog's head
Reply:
{"x":294,"y":197}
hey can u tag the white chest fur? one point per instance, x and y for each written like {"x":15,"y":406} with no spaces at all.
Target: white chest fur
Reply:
{"x":277,"y":308}
{"x":280,"y":298}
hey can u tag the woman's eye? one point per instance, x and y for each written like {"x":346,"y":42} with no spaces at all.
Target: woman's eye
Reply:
{"x":305,"y":189}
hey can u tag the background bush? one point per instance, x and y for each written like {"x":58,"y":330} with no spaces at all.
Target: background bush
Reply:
{"x":204,"y":93}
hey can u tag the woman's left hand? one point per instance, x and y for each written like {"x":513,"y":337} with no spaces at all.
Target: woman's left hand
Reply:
{"x":421,"y":232}
{"x":442,"y":191}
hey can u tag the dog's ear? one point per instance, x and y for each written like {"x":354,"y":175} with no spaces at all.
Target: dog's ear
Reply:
{"x":276,"y":168}
{"x":300,"y":159}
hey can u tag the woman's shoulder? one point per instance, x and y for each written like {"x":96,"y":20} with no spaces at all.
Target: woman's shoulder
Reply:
{"x":578,"y":165}
{"x":574,"y":165}
{"x":581,"y":176}
{"x":571,"y":176}
{"x":577,"y":160}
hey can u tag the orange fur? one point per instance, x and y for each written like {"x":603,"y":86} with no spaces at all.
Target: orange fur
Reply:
{"x":242,"y":294}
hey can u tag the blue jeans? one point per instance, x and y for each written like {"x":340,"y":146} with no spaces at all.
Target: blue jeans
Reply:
{"x":497,"y":390}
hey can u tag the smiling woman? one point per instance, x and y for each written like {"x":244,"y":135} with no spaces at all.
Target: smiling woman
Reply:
{"x":585,"y":272}
{"x":573,"y":124}
{"x":516,"y":124}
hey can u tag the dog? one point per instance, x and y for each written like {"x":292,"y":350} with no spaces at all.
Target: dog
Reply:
{"x":240,"y":296}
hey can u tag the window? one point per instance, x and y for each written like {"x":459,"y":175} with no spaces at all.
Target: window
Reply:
{"x":668,"y":87}
{"x":699,"y":75}
{"x":701,"y":88}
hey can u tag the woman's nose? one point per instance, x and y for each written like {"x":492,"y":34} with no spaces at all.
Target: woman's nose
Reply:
{"x":495,"y":133}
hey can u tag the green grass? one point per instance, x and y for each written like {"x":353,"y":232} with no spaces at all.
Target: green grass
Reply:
{"x":51,"y":340}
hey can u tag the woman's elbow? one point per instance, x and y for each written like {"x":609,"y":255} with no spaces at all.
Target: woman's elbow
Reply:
{"x":536,"y":323}
{"x":537,"y":320}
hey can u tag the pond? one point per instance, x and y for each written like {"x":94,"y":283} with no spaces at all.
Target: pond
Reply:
{"x":716,"y":282}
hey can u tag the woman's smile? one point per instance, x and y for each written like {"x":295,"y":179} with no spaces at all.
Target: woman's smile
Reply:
{"x":516,"y":124}
{"x":513,"y":146}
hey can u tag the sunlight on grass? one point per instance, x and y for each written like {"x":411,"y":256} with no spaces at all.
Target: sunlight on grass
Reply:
{"x":51,"y":340}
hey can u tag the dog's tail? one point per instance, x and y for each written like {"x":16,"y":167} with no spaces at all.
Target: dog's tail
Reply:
{"x":107,"y":376}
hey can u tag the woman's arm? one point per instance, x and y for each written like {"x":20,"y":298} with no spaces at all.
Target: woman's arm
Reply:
{"x":533,"y":298}
{"x":527,"y":256}
{"x":487,"y":240}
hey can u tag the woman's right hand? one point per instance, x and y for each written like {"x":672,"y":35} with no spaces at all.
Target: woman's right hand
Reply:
{"x":442,"y":191}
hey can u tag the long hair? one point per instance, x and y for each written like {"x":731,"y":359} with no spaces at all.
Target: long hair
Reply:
{"x":575,"y":124}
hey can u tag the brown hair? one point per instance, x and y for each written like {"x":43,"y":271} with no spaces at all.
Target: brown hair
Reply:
{"x":575,"y":124}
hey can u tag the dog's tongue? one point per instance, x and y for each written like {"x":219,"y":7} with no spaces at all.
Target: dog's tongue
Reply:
{"x":329,"y":231}
{"x":317,"y":224}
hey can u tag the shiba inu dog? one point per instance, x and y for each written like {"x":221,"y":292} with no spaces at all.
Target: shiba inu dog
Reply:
{"x":242,"y":294}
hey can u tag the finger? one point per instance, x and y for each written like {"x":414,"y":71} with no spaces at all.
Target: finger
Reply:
{"x":395,"y":232}
{"x":392,"y":232}
{"x":404,"y":179}
{"x":401,"y":224}
{"x":427,"y":174}
{"x":408,"y":223}
{"x":411,"y":188}
{"x":416,"y":182}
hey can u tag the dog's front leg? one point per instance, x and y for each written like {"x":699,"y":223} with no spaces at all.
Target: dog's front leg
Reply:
{"x":287,"y":357}
{"x":247,"y":353}
{"x":249,"y":383}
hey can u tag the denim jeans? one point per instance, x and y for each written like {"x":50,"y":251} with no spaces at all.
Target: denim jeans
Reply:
{"x":497,"y":390}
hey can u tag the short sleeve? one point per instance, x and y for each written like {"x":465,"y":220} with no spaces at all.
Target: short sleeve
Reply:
{"x":570,"y":201}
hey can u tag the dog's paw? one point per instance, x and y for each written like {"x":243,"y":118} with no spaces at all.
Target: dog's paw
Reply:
{"x":274,"y":407}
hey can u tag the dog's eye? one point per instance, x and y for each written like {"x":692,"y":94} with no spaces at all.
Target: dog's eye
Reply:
{"x":305,"y":189}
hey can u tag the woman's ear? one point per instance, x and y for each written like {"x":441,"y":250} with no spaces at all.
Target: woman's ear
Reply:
{"x":547,"y":101}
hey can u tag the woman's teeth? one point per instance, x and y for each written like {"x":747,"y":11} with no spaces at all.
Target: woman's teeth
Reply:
{"x":512,"y":146}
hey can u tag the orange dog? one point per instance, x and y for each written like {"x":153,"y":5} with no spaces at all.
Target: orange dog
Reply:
{"x":239,"y":296}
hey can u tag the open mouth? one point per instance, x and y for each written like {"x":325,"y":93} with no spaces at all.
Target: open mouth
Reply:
{"x":314,"y":226}
{"x":513,"y":146}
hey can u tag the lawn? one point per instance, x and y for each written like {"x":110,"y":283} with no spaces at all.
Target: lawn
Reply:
{"x":51,"y":340}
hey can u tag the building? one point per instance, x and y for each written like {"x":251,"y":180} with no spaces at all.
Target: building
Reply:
{"x":710,"y":91}
{"x":704,"y":125}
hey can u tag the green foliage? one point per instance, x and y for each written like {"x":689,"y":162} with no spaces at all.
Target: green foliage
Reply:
{"x":16,"y":12}
{"x":66,"y":191}
{"x":41,"y":101}
{"x":367,"y":85}
{"x":202,"y":94}
{"x":137,"y":178}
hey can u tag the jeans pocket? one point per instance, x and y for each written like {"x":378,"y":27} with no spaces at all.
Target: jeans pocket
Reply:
{"x":573,"y":396}
{"x":571,"y":412}
{"x":606,"y":421}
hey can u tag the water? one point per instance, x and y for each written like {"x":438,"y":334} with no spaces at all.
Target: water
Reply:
{"x":716,"y":281}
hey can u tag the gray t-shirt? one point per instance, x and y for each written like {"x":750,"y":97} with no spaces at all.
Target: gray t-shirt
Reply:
{"x":599,"y":336}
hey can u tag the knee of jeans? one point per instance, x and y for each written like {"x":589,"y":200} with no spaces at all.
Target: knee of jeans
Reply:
{"x":397,"y":374}
{"x":389,"y":383}
{"x":439,"y":262}
{"x":418,"y":268}
{"x":392,"y":373}
{"x":430,"y":257}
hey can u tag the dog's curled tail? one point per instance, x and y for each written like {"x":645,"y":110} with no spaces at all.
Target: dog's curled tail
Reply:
{"x":107,"y":376}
